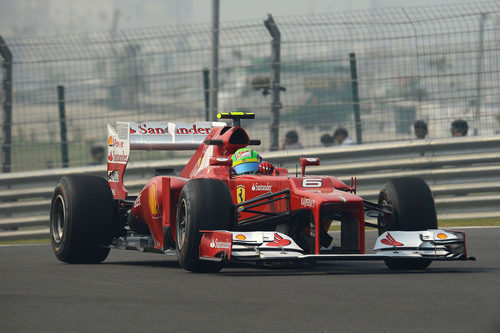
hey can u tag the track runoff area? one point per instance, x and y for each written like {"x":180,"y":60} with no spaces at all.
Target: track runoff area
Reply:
{"x":134,"y":291}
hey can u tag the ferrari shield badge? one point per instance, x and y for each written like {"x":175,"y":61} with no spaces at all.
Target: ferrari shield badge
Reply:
{"x":240,"y":193}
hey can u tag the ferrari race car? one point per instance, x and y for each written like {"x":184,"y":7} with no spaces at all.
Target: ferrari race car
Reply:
{"x":208,"y":215}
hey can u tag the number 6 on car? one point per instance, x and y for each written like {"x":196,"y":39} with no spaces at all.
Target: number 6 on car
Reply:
{"x":311,"y":182}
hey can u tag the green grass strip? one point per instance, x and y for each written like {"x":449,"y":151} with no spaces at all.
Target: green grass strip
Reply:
{"x":26,"y":241}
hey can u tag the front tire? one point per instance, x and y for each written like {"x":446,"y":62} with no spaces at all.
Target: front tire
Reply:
{"x":204,"y":204}
{"x":414,"y":210}
{"x":82,"y":219}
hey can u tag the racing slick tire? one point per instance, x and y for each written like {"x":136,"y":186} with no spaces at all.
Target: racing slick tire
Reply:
{"x":82,"y":219}
{"x":204,"y":204}
{"x":413,"y":207}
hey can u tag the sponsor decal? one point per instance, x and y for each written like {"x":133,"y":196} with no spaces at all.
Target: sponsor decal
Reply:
{"x":261,"y":187}
{"x":246,"y":153}
{"x":312,"y":182}
{"x":220,"y":245}
{"x":240,"y":237}
{"x":117,"y":157}
{"x":113,"y":176}
{"x":321,"y":190}
{"x":240,"y":193}
{"x":153,"y":202}
{"x":145,"y":128}
{"x":389,"y":240}
{"x":279,"y":241}
{"x":442,"y":236}
{"x":306,"y":202}
{"x":113,"y":142}
{"x":137,"y":201}
{"x":312,"y":160}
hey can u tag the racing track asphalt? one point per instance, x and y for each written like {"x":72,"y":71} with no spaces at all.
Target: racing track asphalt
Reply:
{"x":139,"y":292}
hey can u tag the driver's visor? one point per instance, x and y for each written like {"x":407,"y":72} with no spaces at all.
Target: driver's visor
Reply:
{"x":246,"y":168}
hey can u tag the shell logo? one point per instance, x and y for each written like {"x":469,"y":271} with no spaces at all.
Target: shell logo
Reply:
{"x":110,"y":141}
{"x":240,"y":237}
{"x":442,"y":236}
{"x":153,"y":202}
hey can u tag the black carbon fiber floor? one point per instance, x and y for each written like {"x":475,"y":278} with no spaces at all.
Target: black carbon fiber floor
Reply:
{"x":138,"y":292}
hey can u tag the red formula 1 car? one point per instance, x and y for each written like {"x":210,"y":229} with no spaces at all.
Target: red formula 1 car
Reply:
{"x":208,"y":215}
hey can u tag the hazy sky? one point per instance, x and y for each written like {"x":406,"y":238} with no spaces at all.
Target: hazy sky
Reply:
{"x":49,"y":17}
{"x":243,"y":9}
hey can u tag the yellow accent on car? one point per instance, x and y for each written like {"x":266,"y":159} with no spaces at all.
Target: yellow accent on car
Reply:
{"x":153,"y":203}
{"x":229,"y":114}
{"x":245,"y":161}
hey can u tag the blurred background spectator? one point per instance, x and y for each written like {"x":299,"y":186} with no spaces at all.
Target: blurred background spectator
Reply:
{"x":459,"y":128}
{"x":291,"y":141}
{"x":327,"y":140}
{"x":341,"y":137}
{"x":97,"y":153}
{"x":420,"y":129}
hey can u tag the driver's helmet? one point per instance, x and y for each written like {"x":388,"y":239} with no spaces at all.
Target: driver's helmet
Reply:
{"x":246,"y":161}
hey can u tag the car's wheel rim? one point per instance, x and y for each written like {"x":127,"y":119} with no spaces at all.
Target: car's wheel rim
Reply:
{"x":181,"y":227}
{"x":58,"y":219}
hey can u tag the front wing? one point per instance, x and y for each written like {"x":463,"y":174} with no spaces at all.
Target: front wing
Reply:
{"x":270,"y":246}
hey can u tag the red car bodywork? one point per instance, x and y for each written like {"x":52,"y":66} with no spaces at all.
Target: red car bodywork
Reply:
{"x":157,"y":203}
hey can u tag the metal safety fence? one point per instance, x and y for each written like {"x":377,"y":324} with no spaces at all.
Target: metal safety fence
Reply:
{"x":373,"y":73}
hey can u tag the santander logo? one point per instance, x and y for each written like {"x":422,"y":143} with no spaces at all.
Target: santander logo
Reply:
{"x":145,"y":128}
{"x":117,"y":157}
{"x":220,"y":244}
{"x":389,"y":240}
{"x":279,"y":241}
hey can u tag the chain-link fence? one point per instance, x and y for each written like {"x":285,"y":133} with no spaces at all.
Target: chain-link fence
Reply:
{"x":435,"y":64}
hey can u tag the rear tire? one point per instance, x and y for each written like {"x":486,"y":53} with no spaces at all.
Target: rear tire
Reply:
{"x":414,"y":210}
{"x":204,"y":204}
{"x":82,"y":219}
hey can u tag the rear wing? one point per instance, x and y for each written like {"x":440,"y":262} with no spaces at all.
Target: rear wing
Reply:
{"x":127,"y":136}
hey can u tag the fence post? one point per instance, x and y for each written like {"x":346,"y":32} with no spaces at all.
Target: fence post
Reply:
{"x":355,"y":97}
{"x":206,"y":90}
{"x":7,"y":106}
{"x":275,"y":88}
{"x":479,"y":69}
{"x":214,"y":76}
{"x":62,"y":123}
